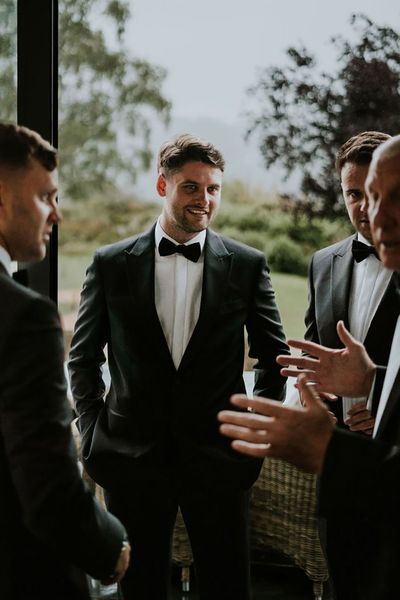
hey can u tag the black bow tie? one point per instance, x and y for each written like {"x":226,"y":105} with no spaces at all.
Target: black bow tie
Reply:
{"x":191,"y":251}
{"x":361,"y":251}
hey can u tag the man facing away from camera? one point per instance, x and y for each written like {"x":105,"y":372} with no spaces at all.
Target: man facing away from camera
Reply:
{"x":171,"y":305}
{"x":51,"y":529}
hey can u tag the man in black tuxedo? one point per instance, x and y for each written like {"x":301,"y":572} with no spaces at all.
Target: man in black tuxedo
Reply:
{"x":359,"y":476}
{"x":348,"y":282}
{"x":171,"y":305}
{"x":51,"y":529}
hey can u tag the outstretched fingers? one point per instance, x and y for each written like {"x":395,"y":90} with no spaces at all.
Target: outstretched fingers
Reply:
{"x":302,"y":362}
{"x":345,"y":335}
{"x":255,"y":436}
{"x":259,"y":405}
{"x":256,"y":450}
{"x":308,"y":391}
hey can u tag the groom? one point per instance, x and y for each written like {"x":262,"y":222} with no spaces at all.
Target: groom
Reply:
{"x":171,"y":306}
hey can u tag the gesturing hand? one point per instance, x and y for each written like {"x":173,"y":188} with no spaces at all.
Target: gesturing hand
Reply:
{"x":348,"y":371}
{"x":299,"y":435}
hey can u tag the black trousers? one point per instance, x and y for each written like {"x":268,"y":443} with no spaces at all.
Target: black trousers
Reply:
{"x":217,"y":525}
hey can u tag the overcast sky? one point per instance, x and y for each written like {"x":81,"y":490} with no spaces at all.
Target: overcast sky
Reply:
{"x":212,"y":49}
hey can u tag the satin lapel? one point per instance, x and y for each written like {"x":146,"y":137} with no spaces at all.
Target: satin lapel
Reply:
{"x":342,"y":269}
{"x":390,"y":408}
{"x":217,"y":265}
{"x":385,"y":317}
{"x":140,"y":273}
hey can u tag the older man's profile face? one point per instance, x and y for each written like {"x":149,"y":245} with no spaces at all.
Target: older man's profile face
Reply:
{"x":383,"y":190}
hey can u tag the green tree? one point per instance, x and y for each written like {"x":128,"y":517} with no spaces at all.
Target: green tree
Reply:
{"x":303,"y":115}
{"x":106,"y":97}
{"x":8,"y":59}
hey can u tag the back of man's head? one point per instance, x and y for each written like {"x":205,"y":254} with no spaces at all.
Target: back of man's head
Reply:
{"x":19,"y":145}
{"x":175,"y":153}
{"x":359,"y":148}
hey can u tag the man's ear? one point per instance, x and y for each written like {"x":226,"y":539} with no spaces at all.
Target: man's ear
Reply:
{"x":161,"y":184}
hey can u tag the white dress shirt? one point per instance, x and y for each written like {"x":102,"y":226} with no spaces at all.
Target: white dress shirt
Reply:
{"x":391,"y":372}
{"x":178,"y":285}
{"x":368,"y":285}
{"x":5,"y":260}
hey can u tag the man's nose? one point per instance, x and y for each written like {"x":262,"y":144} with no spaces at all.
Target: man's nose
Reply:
{"x":55,"y":215}
{"x":364,"y":203}
{"x":380,"y":218}
{"x":203,"y":196}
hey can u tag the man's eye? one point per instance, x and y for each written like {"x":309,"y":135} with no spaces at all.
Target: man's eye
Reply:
{"x":355,"y":196}
{"x":190,"y":188}
{"x":213,"y":190}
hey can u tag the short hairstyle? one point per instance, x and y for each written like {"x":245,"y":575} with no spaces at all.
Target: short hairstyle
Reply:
{"x":359,"y":148}
{"x":175,"y":153}
{"x":18,"y":145}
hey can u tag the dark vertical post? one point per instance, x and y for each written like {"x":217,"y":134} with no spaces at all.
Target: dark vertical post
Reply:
{"x":37,"y":103}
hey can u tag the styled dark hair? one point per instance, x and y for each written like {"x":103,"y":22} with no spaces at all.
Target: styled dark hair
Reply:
{"x":175,"y":153}
{"x":18,"y":145}
{"x":359,"y":148}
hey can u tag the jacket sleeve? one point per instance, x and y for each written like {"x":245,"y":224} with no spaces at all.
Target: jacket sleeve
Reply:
{"x":55,"y":504}
{"x":87,"y":350}
{"x":266,"y":336}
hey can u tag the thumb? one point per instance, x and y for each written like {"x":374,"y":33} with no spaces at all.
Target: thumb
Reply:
{"x":309,"y":397}
{"x":345,"y":335}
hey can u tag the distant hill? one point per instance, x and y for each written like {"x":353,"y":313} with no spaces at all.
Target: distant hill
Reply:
{"x":243,"y":159}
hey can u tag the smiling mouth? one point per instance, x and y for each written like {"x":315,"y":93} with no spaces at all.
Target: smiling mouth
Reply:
{"x":197,"y":211}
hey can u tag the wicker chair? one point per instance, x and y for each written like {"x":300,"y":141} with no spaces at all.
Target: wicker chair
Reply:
{"x":283,"y":517}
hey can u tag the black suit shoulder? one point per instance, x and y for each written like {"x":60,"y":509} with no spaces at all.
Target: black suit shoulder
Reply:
{"x":239,"y":248}
{"x":110,"y":251}
{"x":16,"y":298}
{"x":339,"y":248}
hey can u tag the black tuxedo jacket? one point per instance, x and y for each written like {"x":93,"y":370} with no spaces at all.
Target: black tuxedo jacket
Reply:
{"x":329,"y":282}
{"x":51,"y":530}
{"x":153,"y":411}
{"x":360,"y":488}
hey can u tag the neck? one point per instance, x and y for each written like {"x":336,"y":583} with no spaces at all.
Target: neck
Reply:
{"x":180,"y":236}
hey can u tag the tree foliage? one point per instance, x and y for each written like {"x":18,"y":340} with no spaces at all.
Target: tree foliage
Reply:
{"x":8,"y":60}
{"x":106,"y":97}
{"x":302,"y":115}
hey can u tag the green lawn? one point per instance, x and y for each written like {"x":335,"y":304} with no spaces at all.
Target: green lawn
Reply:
{"x":291,"y":297}
{"x":71,"y":270}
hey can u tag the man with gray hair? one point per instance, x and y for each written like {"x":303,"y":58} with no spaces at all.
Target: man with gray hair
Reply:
{"x":359,"y":476}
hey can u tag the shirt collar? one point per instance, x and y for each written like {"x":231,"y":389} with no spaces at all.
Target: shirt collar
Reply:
{"x":362,"y":239}
{"x":160,"y":233}
{"x":5,"y":260}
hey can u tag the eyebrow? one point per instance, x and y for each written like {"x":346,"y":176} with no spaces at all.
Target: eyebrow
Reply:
{"x":53,"y":190}
{"x":354,"y":189}
{"x":193,"y":182}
